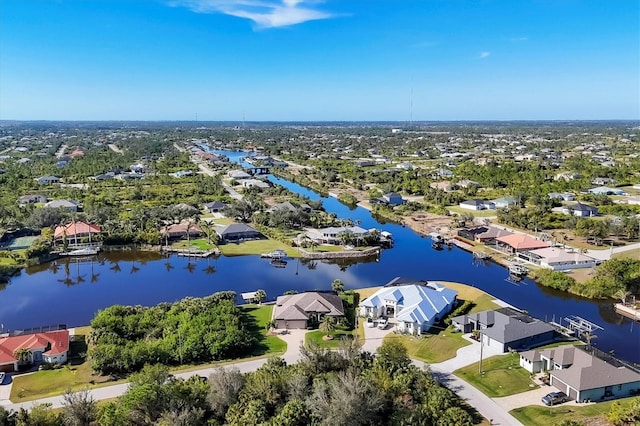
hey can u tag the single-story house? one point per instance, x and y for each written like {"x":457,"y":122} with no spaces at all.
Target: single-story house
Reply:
{"x":68,"y":205}
{"x":181,"y":230}
{"x":130,"y":176}
{"x":415,"y":305}
{"x":505,"y":202}
{"x":564,"y":196}
{"x":477,"y":205}
{"x":580,"y":210}
{"x":466,"y":183}
{"x":238,"y":174}
{"x":445,"y":186}
{"x":138,"y":168}
{"x":238,"y":232}
{"x":520,"y":242}
{"x":288,"y":206}
{"x":45,"y":180}
{"x":393,"y":198}
{"x":605,"y":190}
{"x":557,"y":259}
{"x":445,"y":173}
{"x":75,"y":231}
{"x":51,"y":347}
{"x":582,"y":375}
{"x":332,"y":235}
{"x":32,"y":199}
{"x":214,"y":206}
{"x":183,"y":173}
{"x":491,"y":234}
{"x":603,"y":181}
{"x":506,"y":329}
{"x":568,"y":176}
{"x":247,"y":183}
{"x":299,"y":311}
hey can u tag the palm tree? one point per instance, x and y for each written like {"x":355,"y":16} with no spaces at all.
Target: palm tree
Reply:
{"x":622,"y":294}
{"x":328,"y":325}
{"x":23,"y":355}
{"x":260,"y":296}
{"x":338,"y":286}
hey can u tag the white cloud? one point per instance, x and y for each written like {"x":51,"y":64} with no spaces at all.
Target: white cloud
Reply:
{"x":484,"y":55}
{"x":264,"y":13}
{"x":518,"y":39}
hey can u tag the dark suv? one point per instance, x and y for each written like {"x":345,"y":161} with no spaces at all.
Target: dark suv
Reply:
{"x":554,"y":398}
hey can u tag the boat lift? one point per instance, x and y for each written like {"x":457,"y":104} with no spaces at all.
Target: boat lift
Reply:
{"x":581,"y":326}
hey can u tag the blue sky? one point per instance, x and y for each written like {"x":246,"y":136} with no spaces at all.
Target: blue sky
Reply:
{"x":319,"y":60}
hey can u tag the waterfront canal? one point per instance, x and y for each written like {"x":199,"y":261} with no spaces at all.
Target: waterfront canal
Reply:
{"x":71,"y":291}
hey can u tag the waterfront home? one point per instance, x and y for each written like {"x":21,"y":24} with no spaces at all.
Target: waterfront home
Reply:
{"x":51,"y":347}
{"x":76,"y":232}
{"x":414,"y":305}
{"x":247,"y":183}
{"x":46,"y":180}
{"x":238,"y":232}
{"x":564,"y":196}
{"x":336,"y":234}
{"x":519,"y":242}
{"x":580,"y":210}
{"x":506,"y":328}
{"x":490,"y":235}
{"x":68,"y":205}
{"x":557,"y":259}
{"x":300,"y":311}
{"x":181,"y":230}
{"x":477,"y":205}
{"x":238,"y":174}
{"x":582,"y":375}
{"x":32,"y":199}
{"x":214,"y":206}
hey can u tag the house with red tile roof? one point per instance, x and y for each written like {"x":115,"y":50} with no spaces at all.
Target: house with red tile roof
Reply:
{"x":519,"y":242}
{"x":51,"y":347}
{"x":76,"y":231}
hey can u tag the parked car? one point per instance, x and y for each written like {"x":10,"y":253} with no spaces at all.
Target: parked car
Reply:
{"x":369,"y":323}
{"x":554,"y":398}
{"x":382,"y":323}
{"x":2,"y":376}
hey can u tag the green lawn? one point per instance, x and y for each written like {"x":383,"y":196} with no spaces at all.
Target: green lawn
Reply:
{"x":268,"y":345}
{"x":200,"y":244}
{"x":431,"y":348}
{"x":475,"y":213}
{"x":256,"y":247}
{"x":502,"y":376}
{"x":316,"y":336}
{"x":534,"y":415}
{"x":631,"y":254}
{"x":482,"y":300}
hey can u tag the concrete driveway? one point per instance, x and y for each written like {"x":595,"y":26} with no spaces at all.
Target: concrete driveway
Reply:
{"x":373,"y":337}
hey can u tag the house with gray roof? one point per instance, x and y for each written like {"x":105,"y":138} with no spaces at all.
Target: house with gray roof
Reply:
{"x":299,"y":311}
{"x":414,"y":305}
{"x":506,"y":329}
{"x":333,"y":234}
{"x":238,"y":232}
{"x":578,"y":372}
{"x":68,"y":205}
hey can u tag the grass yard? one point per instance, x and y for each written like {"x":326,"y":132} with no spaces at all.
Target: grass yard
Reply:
{"x":431,"y":348}
{"x":256,"y":247}
{"x":502,"y":376}
{"x":482,"y":300}
{"x":200,"y":244}
{"x":316,"y":337}
{"x":268,"y":345}
{"x":366,"y":292}
{"x":534,"y":415}
{"x":631,"y":254}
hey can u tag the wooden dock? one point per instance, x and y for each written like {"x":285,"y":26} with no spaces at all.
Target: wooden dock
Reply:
{"x":628,"y":311}
{"x":461,"y":244}
{"x":191,"y":253}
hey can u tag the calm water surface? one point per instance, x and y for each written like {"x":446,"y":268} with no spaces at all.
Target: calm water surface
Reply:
{"x":71,"y":291}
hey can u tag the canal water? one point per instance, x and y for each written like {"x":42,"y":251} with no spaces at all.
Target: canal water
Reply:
{"x":71,"y":291}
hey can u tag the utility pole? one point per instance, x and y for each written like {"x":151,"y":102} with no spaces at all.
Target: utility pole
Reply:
{"x":481,"y":346}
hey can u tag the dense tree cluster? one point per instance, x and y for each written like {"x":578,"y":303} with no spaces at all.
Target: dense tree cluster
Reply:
{"x":192,"y":330}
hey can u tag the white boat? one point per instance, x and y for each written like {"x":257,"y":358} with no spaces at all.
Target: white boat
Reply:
{"x":87,"y":251}
{"x":517,"y":269}
{"x":276,"y":254}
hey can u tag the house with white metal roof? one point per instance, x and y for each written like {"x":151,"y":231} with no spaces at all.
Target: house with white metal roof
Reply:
{"x":415,"y":305}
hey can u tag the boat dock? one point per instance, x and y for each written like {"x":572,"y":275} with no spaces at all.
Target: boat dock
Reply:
{"x":276,"y":254}
{"x":191,"y":253}
{"x":628,"y":311}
